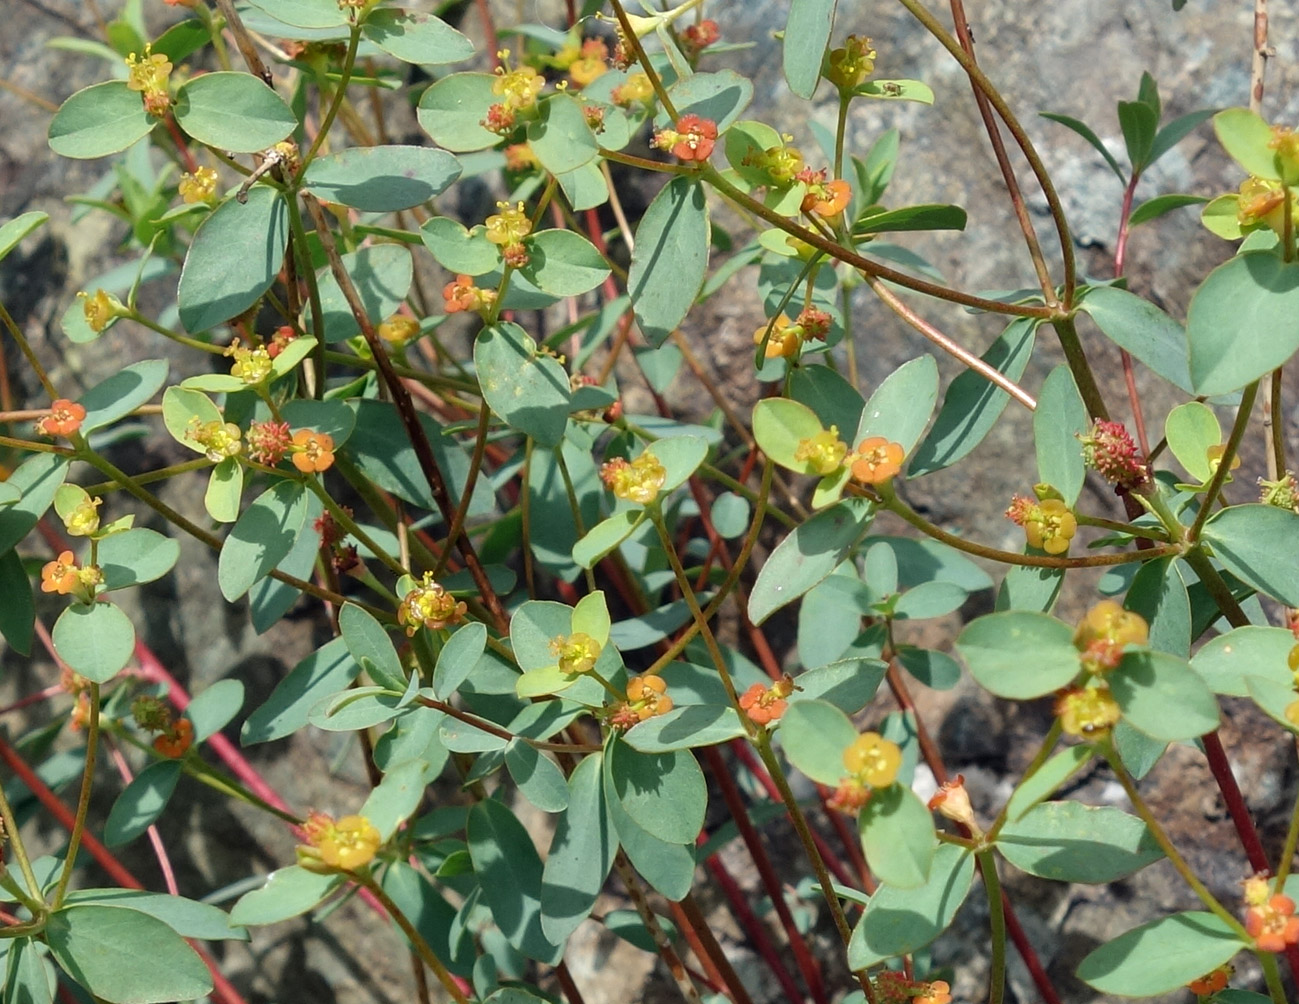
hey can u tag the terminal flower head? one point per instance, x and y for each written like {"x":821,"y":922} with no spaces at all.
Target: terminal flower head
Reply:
{"x":877,"y":460}
{"x":312,"y":452}
{"x":1105,"y":631}
{"x":873,"y":760}
{"x":64,"y":419}
{"x":101,"y":309}
{"x":785,"y":341}
{"x":692,"y":139}
{"x":1049,"y":525}
{"x":218,"y":440}
{"x":269,"y":441}
{"x":176,"y":741}
{"x":1213,"y":981}
{"x":348,"y":844}
{"x":577,"y":653}
{"x":824,"y":452}
{"x":462,"y":294}
{"x":150,"y":76}
{"x":509,"y":225}
{"x":1109,"y":449}
{"x":646,"y":698}
{"x":825,"y":198}
{"x":199,"y":186}
{"x":1272,"y":923}
{"x":429,"y":605}
{"x":518,"y":88}
{"x":1087,"y":712}
{"x":815,"y":323}
{"x":1261,"y":202}
{"x":398,"y":329}
{"x":851,"y":64}
{"x":62,"y":575}
{"x":593,"y":62}
{"x":638,"y":480}
{"x":764,"y":704}
{"x":83,"y":520}
{"x":252,"y":365}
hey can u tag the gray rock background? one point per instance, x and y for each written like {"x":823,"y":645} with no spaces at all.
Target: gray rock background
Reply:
{"x":1077,"y":57}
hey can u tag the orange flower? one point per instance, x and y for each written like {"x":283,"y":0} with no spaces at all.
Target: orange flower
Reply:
{"x":877,"y":461}
{"x":693,"y":138}
{"x":1105,"y":631}
{"x":937,"y":992}
{"x":176,"y":742}
{"x":765,"y":705}
{"x":825,"y":198}
{"x":1273,"y":924}
{"x":646,"y":698}
{"x":1210,"y":983}
{"x":64,"y":419}
{"x":312,"y":451}
{"x":61,"y":575}
{"x":786,"y":338}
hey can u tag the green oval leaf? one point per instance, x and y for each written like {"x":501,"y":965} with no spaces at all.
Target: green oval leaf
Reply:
{"x":560,"y":137}
{"x":466,"y":252}
{"x":1047,"y":778}
{"x":287,"y":893}
{"x":262,"y":537}
{"x":1243,"y":321}
{"x":141,"y":802}
{"x":100,"y":947}
{"x":581,"y":853}
{"x":1245,"y":137}
{"x":810,"y":553}
{"x":537,"y":778}
{"x":1060,"y":418}
{"x":99,"y":120}
{"x":458,"y":658}
{"x":233,"y":259}
{"x":814,"y":735}
{"x":97,"y":640}
{"x":688,"y":727}
{"x":899,"y":921}
{"x":1192,"y":428}
{"x":1137,"y":325}
{"x":233,"y":111}
{"x":13,"y":231}
{"x":122,"y":393}
{"x":663,"y":793}
{"x":215,"y":708}
{"x":563,"y":263}
{"x":671,"y":258}
{"x":897,"y":835}
{"x":452,"y":111}
{"x":1019,"y":654}
{"x":1161,"y":956}
{"x":370,"y":646}
{"x":900,"y":408}
{"x":416,"y":37}
{"x":382,"y":179}
{"x":37,"y":479}
{"x":807,"y":33}
{"x":719,"y":97}
{"x":187,"y":917}
{"x":136,"y":556}
{"x":1163,"y":697}
{"x":779,"y":425}
{"x":1260,"y":545}
{"x":509,"y":872}
{"x":668,"y":868}
{"x":527,"y":389}
{"x":1072,"y":842}
{"x":1227,"y":661}
{"x":606,"y":535}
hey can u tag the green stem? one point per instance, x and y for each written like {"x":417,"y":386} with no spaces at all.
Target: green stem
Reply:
{"x":176,"y":336}
{"x":1272,"y":976}
{"x":579,"y":524}
{"x":161,"y":474}
{"x":996,"y":926}
{"x":1048,"y":745}
{"x":1217,"y":587}
{"x":83,"y":801}
{"x":1106,"y":748}
{"x":1083,"y":376}
{"x":1223,"y":470}
{"x":462,"y":510}
{"x":340,"y":92}
{"x":353,"y":529}
{"x":20,"y":852}
{"x":772,"y":763}
{"x":416,"y":939}
{"x":1288,"y":852}
{"x":308,"y":275}
{"x":893,"y":504}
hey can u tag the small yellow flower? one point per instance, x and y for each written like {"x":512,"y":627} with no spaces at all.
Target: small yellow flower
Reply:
{"x":218,"y":439}
{"x":873,"y":760}
{"x":638,"y":481}
{"x":637,"y":89}
{"x":150,"y":76}
{"x":577,"y":653}
{"x":519,"y":88}
{"x":398,"y":329}
{"x":824,"y":452}
{"x":199,"y":186}
{"x":429,"y":605}
{"x":785,"y":341}
{"x":1048,"y":525}
{"x":84,"y":519}
{"x":1105,"y":631}
{"x":1087,"y":711}
{"x":510,"y":224}
{"x":852,"y":64}
{"x":348,"y":844}
{"x":252,"y":366}
{"x":101,"y":309}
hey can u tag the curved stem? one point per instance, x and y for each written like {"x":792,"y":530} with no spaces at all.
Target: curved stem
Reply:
{"x":83,"y":801}
{"x":1224,"y":462}
{"x":449,"y":984}
{"x":340,"y":92}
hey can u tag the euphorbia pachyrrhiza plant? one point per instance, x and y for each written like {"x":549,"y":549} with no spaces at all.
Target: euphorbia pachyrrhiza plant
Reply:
{"x":523,"y":578}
